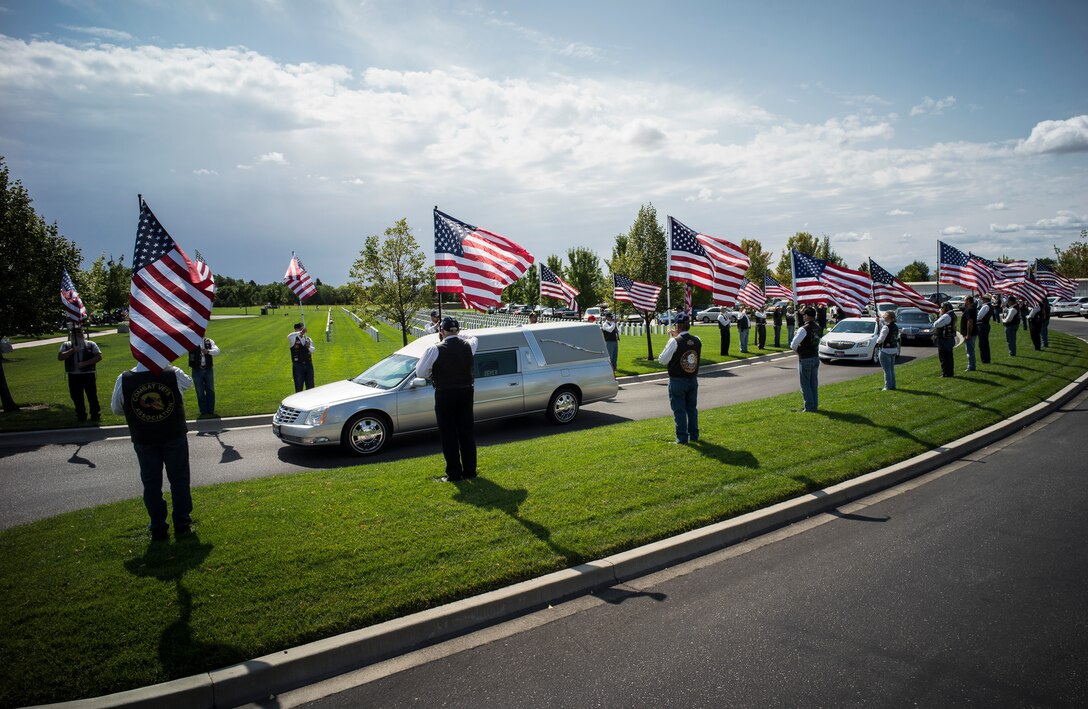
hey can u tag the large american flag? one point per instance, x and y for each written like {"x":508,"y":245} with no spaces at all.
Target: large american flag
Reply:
{"x":553,"y":286}
{"x":170,"y":300}
{"x":73,"y":306}
{"x":965,"y":270}
{"x":297,"y":280}
{"x":1012,"y":269}
{"x":711,"y":263}
{"x":1026,"y":289}
{"x":774,"y":289}
{"x":819,"y":281}
{"x":1055,"y":283}
{"x":641,"y":295}
{"x":476,"y":263}
{"x":889,"y":289}
{"x":750,"y":294}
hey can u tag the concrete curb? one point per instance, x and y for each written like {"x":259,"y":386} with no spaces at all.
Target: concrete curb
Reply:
{"x":258,"y":679}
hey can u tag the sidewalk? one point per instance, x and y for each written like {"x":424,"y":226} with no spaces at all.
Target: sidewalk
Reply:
{"x":258,"y":679}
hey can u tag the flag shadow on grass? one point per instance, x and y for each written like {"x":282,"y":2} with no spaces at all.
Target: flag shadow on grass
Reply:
{"x":866,"y":421}
{"x":179,"y":653}
{"x":970,"y":404}
{"x":742,"y":459}
{"x":488,"y":495}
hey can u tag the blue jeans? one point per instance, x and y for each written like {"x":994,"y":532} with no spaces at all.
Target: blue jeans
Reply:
{"x":1045,"y":335}
{"x":984,"y":342}
{"x":969,"y":345}
{"x":174,"y":456}
{"x":204,"y":383}
{"x":303,"y":373}
{"x":613,"y":348}
{"x":789,"y":335}
{"x":887,"y":363}
{"x":743,"y":339}
{"x":1010,"y":338}
{"x":684,"y":400}
{"x":809,"y":370}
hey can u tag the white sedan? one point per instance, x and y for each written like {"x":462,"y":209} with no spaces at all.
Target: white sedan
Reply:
{"x":852,"y":338}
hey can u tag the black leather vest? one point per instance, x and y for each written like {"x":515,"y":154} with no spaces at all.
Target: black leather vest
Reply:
{"x":300,"y":351}
{"x":194,"y":358}
{"x":81,"y":354}
{"x":809,"y":347}
{"x":743,"y":322}
{"x":949,"y":330}
{"x":154,"y":409}
{"x":613,"y":336}
{"x":453,"y":368}
{"x":685,"y":361}
{"x":983,"y":320}
{"x":892,"y":340}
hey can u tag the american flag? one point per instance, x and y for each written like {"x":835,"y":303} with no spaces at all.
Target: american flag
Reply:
{"x":553,"y":286}
{"x":711,"y":263}
{"x":74,"y":309}
{"x":687,"y":298}
{"x":170,"y":300}
{"x":642,"y":295}
{"x":965,"y":270}
{"x":1026,"y":289}
{"x":1055,"y":283}
{"x":750,"y":294}
{"x":818,"y":281}
{"x":297,"y":280}
{"x":1012,"y":269}
{"x":889,"y":289}
{"x":774,"y":289}
{"x":476,"y":263}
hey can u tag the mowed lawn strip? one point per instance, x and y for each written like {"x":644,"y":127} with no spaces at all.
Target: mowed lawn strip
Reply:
{"x":90,"y":608}
{"x":253,"y":374}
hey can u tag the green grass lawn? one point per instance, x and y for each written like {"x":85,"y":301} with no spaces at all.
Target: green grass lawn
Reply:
{"x":90,"y":607}
{"x":254,"y":372}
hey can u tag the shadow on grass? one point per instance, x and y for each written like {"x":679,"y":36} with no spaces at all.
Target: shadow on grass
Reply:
{"x":743,"y":459}
{"x":179,"y":653}
{"x":488,"y":495}
{"x":968,"y":404}
{"x":866,"y":421}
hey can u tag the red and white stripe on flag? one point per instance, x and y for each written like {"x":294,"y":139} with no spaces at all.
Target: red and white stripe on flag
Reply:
{"x":476,"y":263}
{"x":297,"y":280}
{"x":170,"y":299}
{"x":641,"y":295}
{"x":552,"y":286}
{"x":751,"y":295}
{"x":74,"y":309}
{"x":709,"y":262}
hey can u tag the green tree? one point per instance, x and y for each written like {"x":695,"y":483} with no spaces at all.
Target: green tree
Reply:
{"x":32,"y":255}
{"x":760,"y":260}
{"x":584,"y":275}
{"x":1073,"y":262}
{"x":914,"y":272}
{"x":106,"y":284}
{"x":863,"y":266}
{"x":807,"y":244}
{"x":643,"y":256}
{"x":392,"y":278}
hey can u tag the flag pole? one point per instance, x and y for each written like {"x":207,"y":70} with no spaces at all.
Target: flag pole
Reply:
{"x":436,"y":283}
{"x":793,"y":277}
{"x":668,"y":265}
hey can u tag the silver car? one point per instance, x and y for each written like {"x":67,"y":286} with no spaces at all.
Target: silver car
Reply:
{"x":553,"y":368}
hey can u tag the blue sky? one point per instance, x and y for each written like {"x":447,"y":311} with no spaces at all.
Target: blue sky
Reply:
{"x":258,"y":127}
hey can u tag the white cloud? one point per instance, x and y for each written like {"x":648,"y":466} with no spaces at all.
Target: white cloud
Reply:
{"x":849,"y":236}
{"x":1064,"y":220}
{"x":953,"y":230}
{"x":995,"y":207}
{"x":204,"y":171}
{"x":1006,"y":229}
{"x":931,"y":107}
{"x":898,"y":213}
{"x":272,"y":159}
{"x":1068,"y":136}
{"x":102,"y":33}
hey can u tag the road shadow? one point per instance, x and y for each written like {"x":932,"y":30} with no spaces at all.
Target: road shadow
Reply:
{"x":743,"y":459}
{"x":229,"y":453}
{"x":488,"y":495}
{"x":179,"y":652}
{"x":77,"y":459}
{"x":616,"y":595}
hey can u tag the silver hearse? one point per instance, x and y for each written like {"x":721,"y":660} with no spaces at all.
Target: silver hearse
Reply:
{"x":554,"y":368}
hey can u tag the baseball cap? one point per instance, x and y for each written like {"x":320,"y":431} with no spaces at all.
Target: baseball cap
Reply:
{"x":450,"y":324}
{"x":434,"y":313}
{"x":682,"y":318}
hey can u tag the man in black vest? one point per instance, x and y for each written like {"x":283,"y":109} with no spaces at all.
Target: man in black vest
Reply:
{"x":153,"y":407}
{"x":761,"y":329}
{"x":806,"y":343}
{"x":969,"y":330}
{"x":682,"y":354}
{"x":302,"y":357}
{"x":200,"y":364}
{"x":449,"y":365}
{"x":1044,"y":329}
{"x":776,"y":313}
{"x":744,"y":324}
{"x":944,"y":332}
{"x":724,"y":321}
{"x":985,"y":315}
{"x":80,"y":356}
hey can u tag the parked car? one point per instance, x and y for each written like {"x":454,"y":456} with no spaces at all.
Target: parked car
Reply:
{"x":957,"y":302}
{"x":667,"y":317}
{"x":711,"y":314}
{"x":1061,"y":308}
{"x":937,"y":298}
{"x":554,"y":368}
{"x":565,"y":313}
{"x":915,"y":326}
{"x":634,"y":318}
{"x":851,"y":338}
{"x":594,"y":313}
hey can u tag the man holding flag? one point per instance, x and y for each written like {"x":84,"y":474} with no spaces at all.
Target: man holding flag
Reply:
{"x":79,"y":354}
{"x":169,"y":305}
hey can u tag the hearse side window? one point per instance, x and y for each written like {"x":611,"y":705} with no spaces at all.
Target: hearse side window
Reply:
{"x":493,"y":364}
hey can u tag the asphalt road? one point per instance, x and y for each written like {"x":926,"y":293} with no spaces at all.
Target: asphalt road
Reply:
{"x":41,"y":481}
{"x":965,"y":587}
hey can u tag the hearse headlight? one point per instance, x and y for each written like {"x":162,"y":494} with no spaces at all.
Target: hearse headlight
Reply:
{"x":316,"y":417}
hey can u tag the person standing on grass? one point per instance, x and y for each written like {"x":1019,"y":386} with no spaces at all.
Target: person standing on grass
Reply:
{"x":985,"y":315}
{"x":152,"y":405}
{"x":611,"y":332}
{"x":1011,"y":321}
{"x":776,"y":314}
{"x":743,"y":326}
{"x":302,"y":358}
{"x":806,"y":344}
{"x":1035,"y":325}
{"x":724,"y":321}
{"x":681,"y":355}
{"x":80,"y":356}
{"x":888,"y":341}
{"x":969,"y":330}
{"x":761,"y":329}
{"x":790,"y":322}
{"x":944,"y":332}
{"x":200,"y":364}
{"x":448,"y":364}
{"x":1044,"y":306}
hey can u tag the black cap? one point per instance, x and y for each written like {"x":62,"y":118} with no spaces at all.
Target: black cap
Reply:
{"x":434,"y":313}
{"x":682,"y":319}
{"x":450,"y":324}
{"x":298,"y":326}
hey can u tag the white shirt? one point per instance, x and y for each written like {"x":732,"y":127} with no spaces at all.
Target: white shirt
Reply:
{"x":945,"y":319}
{"x":983,"y":310}
{"x":609,"y":325}
{"x":723,"y":319}
{"x":670,"y":349}
{"x":117,"y":402}
{"x":306,"y":341}
{"x":1033,"y":312}
{"x":431,"y":328}
{"x":1010,"y":313}
{"x":426,"y":362}
{"x":799,"y":337}
{"x":213,"y":351}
